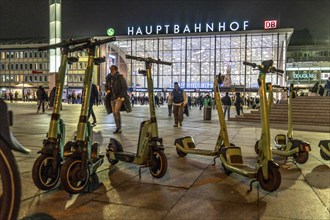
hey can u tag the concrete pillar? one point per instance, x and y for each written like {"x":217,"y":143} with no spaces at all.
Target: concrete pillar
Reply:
{"x":55,"y":33}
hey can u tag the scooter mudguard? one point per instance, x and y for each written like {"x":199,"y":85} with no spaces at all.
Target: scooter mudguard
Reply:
{"x":233,"y":155}
{"x":185,"y":142}
{"x":280,"y":141}
{"x":5,"y":133}
{"x":325,"y":144}
{"x":302,"y":145}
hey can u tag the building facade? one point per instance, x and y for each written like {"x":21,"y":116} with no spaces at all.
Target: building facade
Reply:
{"x":196,"y":59}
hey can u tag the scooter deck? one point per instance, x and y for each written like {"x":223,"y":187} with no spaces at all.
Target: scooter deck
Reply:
{"x":201,"y":152}
{"x":125,"y":156}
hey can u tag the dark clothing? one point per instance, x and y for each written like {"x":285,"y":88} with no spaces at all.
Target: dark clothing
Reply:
{"x":52,"y":97}
{"x":94,"y":98}
{"x":177,"y":95}
{"x":238,"y":104}
{"x":118,"y":88}
{"x":41,"y":96}
{"x":117,"y":85}
{"x":94,"y":95}
{"x":226,"y":100}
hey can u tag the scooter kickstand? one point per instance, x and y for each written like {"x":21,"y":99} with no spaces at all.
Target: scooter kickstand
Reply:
{"x":250,"y":190}
{"x":214,"y":160}
{"x":140,"y":170}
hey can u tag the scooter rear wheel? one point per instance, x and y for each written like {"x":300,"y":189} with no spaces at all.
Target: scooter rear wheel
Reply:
{"x":274,"y":179}
{"x":113,"y":148}
{"x":43,"y":176}
{"x":324,"y":156}
{"x":71,"y":176}
{"x":301,"y":157}
{"x":158,"y":166}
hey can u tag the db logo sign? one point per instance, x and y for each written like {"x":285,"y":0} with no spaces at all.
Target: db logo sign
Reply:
{"x":272,"y":24}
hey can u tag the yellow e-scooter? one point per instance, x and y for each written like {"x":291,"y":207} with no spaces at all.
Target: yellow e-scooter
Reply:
{"x":266,"y":170}
{"x":81,"y":156}
{"x":186,"y":145}
{"x":286,"y":145}
{"x":150,"y":149}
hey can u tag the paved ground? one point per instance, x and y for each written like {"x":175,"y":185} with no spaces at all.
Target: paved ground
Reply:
{"x":191,"y":189}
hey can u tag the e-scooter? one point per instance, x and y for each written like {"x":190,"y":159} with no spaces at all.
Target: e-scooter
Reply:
{"x":285,"y":144}
{"x":266,"y":170}
{"x":10,"y":182}
{"x":46,"y":168}
{"x":186,"y":144}
{"x":150,"y":149}
{"x":82,"y":155}
{"x":325,"y":149}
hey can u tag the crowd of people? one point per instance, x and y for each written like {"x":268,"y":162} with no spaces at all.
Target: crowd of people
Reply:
{"x":116,"y":99}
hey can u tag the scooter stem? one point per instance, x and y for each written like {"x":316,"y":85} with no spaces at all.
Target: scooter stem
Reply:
{"x":290,"y":130}
{"x":153,"y":118}
{"x":52,"y":133}
{"x":223,"y":127}
{"x":265,"y":118}
{"x":81,"y":128}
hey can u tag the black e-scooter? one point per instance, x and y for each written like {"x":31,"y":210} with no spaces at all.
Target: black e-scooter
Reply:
{"x":46,"y":168}
{"x":10,"y":182}
{"x":150,"y":149}
{"x":82,"y":155}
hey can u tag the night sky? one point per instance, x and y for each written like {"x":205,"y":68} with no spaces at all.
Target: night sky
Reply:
{"x":81,"y":18}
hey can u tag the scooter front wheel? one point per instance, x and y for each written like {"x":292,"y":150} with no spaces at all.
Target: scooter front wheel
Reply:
{"x":10,"y":184}
{"x":43,"y":175}
{"x":158,"y":166}
{"x":301,"y":157}
{"x":274,"y":179}
{"x":73,"y":178}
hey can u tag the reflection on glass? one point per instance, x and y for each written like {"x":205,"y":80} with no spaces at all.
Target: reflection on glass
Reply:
{"x":197,"y":59}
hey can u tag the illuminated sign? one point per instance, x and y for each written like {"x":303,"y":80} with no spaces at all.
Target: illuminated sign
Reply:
{"x":111,"y":32}
{"x":271,"y":24}
{"x":303,"y":75}
{"x":195,"y":28}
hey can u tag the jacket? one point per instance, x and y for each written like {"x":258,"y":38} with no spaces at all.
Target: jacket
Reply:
{"x":118,"y":89}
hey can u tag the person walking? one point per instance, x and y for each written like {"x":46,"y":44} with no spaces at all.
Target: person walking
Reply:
{"x":94,"y":99}
{"x":238,"y":103}
{"x":41,"y":97}
{"x":179,"y":101}
{"x":226,"y":100}
{"x":116,"y":88}
{"x":327,"y":87}
{"x":169,"y":104}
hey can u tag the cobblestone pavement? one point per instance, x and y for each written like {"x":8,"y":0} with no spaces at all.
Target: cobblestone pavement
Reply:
{"x":191,"y":189}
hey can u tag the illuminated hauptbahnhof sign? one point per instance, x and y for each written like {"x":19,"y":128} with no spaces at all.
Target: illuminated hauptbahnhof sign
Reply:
{"x":199,"y":51}
{"x":194,"y":28}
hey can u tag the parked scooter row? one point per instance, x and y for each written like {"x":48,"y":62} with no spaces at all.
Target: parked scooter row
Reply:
{"x":266,"y":171}
{"x":75,"y":161}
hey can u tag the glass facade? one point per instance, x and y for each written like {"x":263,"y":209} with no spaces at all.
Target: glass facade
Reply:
{"x":196,"y":59}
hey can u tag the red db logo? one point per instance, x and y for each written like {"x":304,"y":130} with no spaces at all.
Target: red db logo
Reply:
{"x":272,"y":24}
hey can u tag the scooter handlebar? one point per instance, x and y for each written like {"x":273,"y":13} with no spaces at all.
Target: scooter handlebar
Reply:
{"x":65,"y":43}
{"x":93,"y":44}
{"x":149,"y":59}
{"x":254,"y":65}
